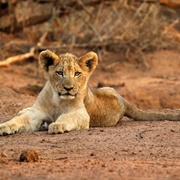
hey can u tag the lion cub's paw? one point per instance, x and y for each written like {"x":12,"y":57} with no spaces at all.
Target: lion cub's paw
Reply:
{"x":6,"y":129}
{"x":58,"y":128}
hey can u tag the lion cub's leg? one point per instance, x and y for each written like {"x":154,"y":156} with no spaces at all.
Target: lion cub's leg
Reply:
{"x":27,"y":120}
{"x":71,"y":121}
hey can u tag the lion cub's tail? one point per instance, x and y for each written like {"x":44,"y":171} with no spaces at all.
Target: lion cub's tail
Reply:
{"x":150,"y":115}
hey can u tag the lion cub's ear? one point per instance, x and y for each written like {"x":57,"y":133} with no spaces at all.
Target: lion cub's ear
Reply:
{"x":47,"y":58}
{"x":88,"y":62}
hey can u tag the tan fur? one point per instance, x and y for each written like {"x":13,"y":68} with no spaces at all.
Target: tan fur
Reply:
{"x":67,"y":103}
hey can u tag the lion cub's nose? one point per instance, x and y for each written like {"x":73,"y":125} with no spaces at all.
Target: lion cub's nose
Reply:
{"x":68,"y":88}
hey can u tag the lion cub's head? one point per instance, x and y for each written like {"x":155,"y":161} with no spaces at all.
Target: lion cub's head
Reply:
{"x":67,"y":73}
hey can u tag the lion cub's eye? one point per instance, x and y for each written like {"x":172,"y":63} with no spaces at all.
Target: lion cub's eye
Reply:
{"x":59,"y":73}
{"x":77,"y":74}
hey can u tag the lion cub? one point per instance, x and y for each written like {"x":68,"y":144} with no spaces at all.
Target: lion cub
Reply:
{"x":67,"y":103}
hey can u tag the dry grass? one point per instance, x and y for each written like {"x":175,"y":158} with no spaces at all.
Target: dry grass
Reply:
{"x":129,"y":27}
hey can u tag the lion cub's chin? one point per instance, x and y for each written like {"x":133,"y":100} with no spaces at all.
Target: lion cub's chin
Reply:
{"x":67,"y":97}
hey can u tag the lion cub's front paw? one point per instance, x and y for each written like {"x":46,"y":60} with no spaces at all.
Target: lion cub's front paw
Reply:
{"x":58,"y":128}
{"x":6,"y":129}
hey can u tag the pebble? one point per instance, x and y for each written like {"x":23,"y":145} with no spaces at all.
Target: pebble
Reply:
{"x":29,"y":156}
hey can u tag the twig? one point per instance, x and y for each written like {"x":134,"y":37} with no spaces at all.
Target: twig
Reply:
{"x":22,"y":57}
{"x":83,"y":45}
{"x":170,"y":3}
{"x":143,"y":58}
{"x":142,"y":132}
{"x":42,"y":39}
{"x":17,"y":58}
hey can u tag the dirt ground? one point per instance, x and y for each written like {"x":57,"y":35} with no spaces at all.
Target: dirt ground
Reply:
{"x":129,"y":150}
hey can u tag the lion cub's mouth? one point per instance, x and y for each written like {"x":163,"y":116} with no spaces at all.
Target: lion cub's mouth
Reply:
{"x":66,"y":95}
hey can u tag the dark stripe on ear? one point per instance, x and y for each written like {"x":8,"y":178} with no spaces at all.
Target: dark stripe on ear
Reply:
{"x":49,"y":62}
{"x":89,"y":63}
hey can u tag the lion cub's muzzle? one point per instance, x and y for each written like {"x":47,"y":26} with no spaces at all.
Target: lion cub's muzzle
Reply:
{"x":68,"y":93}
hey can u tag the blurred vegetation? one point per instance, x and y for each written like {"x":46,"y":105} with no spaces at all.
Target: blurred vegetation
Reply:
{"x":126,"y":26}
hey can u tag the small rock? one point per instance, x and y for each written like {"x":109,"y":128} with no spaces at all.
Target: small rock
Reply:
{"x":92,"y":154}
{"x":29,"y":156}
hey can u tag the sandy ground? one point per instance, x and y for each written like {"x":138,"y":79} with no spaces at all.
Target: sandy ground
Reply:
{"x":129,"y":150}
